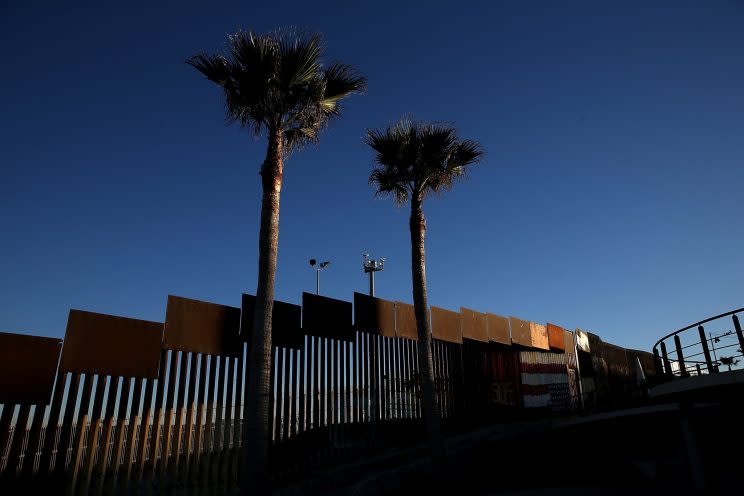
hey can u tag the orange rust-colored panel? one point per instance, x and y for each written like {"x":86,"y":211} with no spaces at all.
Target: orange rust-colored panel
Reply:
{"x":498,"y":329}
{"x":520,"y":331}
{"x":200,"y":326}
{"x":556,"y":338}
{"x":539,"y":336}
{"x":405,"y":321}
{"x":27,"y":368}
{"x":446,"y":325}
{"x":474,"y":325}
{"x":96,"y":343}
{"x":374,"y":315}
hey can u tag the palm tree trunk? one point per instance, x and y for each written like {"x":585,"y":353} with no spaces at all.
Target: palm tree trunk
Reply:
{"x":256,"y":435}
{"x":431,"y":411}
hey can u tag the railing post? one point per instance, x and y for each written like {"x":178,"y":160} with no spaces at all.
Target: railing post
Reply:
{"x":657,"y":363}
{"x":739,"y":334}
{"x":680,"y":357}
{"x":665,"y":357}
{"x":706,"y":352}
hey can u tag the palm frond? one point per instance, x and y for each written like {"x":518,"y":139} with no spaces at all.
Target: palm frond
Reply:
{"x":418,"y":158}
{"x":341,"y":80}
{"x":276,"y":82}
{"x":214,"y":67}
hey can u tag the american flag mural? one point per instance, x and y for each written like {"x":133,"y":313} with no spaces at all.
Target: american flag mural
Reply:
{"x":544,"y":380}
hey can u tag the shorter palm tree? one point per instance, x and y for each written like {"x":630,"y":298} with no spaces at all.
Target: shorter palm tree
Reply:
{"x":415,"y":160}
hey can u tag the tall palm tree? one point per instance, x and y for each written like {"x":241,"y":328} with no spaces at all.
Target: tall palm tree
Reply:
{"x":275,"y":84}
{"x":413,"y":161}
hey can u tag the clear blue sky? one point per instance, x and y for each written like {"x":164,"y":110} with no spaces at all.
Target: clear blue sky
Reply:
{"x":610,"y":198}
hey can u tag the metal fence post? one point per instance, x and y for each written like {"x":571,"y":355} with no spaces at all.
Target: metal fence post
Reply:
{"x":739,"y":334}
{"x":706,"y":352}
{"x":665,"y":357}
{"x":680,"y":357}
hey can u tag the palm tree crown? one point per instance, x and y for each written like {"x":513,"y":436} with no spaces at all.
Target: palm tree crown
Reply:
{"x":417,"y":159}
{"x":277,"y":83}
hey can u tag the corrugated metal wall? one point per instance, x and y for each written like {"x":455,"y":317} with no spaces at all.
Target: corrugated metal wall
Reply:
{"x":544,"y":377}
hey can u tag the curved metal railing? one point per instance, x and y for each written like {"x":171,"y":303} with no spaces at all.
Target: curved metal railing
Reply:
{"x":716,"y":346}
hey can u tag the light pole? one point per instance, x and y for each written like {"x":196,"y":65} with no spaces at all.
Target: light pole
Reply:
{"x":370,"y":266}
{"x":318,"y":267}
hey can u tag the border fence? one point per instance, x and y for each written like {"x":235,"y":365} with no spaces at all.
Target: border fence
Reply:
{"x":126,"y":405}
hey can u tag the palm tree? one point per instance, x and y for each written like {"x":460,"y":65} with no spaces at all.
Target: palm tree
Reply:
{"x":730,"y":361}
{"x":275,"y":84}
{"x":413,"y":161}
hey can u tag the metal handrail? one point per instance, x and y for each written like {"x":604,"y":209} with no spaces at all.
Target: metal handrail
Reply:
{"x":732,"y":312}
{"x":663,"y":361}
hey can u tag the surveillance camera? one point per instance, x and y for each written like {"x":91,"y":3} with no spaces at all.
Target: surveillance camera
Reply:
{"x":325,"y":264}
{"x":312,"y":262}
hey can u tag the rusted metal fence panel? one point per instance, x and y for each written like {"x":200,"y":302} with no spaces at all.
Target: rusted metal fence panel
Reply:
{"x":405,"y":321}
{"x":498,"y":329}
{"x":474,"y":325}
{"x":539,"y":336}
{"x":556,"y":337}
{"x":104,"y":344}
{"x":520,"y":331}
{"x":374,"y":315}
{"x":28,"y":365}
{"x":446,"y":325}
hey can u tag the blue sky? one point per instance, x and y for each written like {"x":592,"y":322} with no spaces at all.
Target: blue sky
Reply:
{"x":607,"y":201}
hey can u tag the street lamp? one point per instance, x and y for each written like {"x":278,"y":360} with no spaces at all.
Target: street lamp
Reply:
{"x":318,"y":267}
{"x":370,"y":266}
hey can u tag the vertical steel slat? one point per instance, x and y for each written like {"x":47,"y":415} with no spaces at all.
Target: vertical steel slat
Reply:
{"x":159,"y":412}
{"x":210,"y":396}
{"x":32,"y":445}
{"x":121,"y":417}
{"x":279,"y":393}
{"x":108,"y":431}
{"x":225,"y":457}
{"x":319,"y":386}
{"x":189,"y":422}
{"x":144,"y":430}
{"x":65,"y":437}
{"x":195,"y":460}
{"x":89,"y":392}
{"x":185,"y":411}
{"x":16,"y":444}
{"x":302,"y":425}
{"x":329,"y":382}
{"x":55,"y":417}
{"x":374,"y":370}
{"x":360,"y":380}
{"x":333,"y":381}
{"x":5,"y":420}
{"x":93,"y":436}
{"x":218,"y":423}
{"x":351,"y":364}
{"x":287,"y":395}
{"x":382,"y":377}
{"x":342,"y":387}
{"x":134,"y":418}
{"x":400,"y":370}
{"x":169,"y":399}
{"x":183,"y":370}
{"x":238,"y":416}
